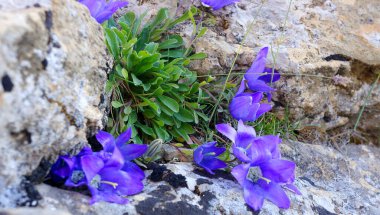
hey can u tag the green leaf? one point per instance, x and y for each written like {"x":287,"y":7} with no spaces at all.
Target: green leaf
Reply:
{"x":153,"y":105}
{"x":184,"y":115}
{"x":112,"y":42}
{"x":202,"y":31}
{"x":198,"y":56}
{"x":146,"y":129}
{"x":183,"y":133}
{"x":169,"y":102}
{"x":136,"y":81}
{"x":161,"y":133}
{"x":116,"y":104}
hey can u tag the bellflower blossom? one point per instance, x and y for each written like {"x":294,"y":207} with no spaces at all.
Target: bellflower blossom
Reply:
{"x":217,"y":4}
{"x":246,"y":106}
{"x":102,"y":10}
{"x":258,"y":76}
{"x":109,"y":174}
{"x":263,"y":175}
{"x":206,"y":157}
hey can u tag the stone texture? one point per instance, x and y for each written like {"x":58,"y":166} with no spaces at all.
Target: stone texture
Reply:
{"x":328,"y":53}
{"x":53,"y":69}
{"x":331,"y":182}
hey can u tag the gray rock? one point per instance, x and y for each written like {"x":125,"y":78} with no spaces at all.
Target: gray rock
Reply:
{"x":331,"y":182}
{"x":53,"y":69}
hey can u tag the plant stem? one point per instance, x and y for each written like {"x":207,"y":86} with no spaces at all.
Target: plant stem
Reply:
{"x":366,"y":101}
{"x":234,"y":61}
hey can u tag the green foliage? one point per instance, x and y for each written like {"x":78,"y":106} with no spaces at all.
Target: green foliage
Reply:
{"x":152,"y":89}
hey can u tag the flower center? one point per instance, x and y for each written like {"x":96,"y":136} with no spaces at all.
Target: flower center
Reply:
{"x":96,"y":181}
{"x":77,"y":176}
{"x":254,"y":174}
{"x":210,"y":154}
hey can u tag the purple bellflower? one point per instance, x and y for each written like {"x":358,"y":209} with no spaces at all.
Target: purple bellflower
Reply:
{"x":246,"y":106}
{"x":109,"y":174}
{"x":266,"y":179}
{"x":102,"y":10}
{"x":258,"y":76}
{"x":217,"y":4}
{"x":263,"y":175}
{"x":206,"y":157}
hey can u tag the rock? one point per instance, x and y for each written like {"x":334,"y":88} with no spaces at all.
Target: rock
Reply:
{"x":31,"y":211}
{"x":331,"y":182}
{"x":328,"y":54}
{"x":53,"y":69}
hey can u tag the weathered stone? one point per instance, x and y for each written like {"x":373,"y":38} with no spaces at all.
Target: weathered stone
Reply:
{"x":53,"y":69}
{"x":328,"y":53}
{"x":331,"y":182}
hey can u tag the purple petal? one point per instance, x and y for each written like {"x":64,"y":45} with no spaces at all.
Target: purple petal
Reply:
{"x":293,"y":188}
{"x":211,"y":148}
{"x":107,"y":140}
{"x":62,"y":168}
{"x":271,"y":142}
{"x":240,"y":173}
{"x":133,"y":170}
{"x":279,"y":171}
{"x":124,"y":137}
{"x":259,"y":86}
{"x":263,"y":109}
{"x":242,"y":128}
{"x":127,"y":184}
{"x":198,"y":155}
{"x":259,"y":152}
{"x":253,"y":195}
{"x":242,"y":87}
{"x":268,"y":77}
{"x":107,"y":195}
{"x":242,"y":108}
{"x":91,"y":165}
{"x":241,"y":154}
{"x":217,"y":4}
{"x":258,"y":66}
{"x":227,"y":131}
{"x":132,"y":151}
{"x":212,"y":163}
{"x":275,"y":194}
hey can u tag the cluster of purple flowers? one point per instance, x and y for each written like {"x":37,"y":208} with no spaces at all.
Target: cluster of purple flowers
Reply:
{"x":262,"y":173}
{"x":110,"y":175}
{"x":102,"y":10}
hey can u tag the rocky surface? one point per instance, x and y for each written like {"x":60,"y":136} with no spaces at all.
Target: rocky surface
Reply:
{"x":331,"y":182}
{"x":53,"y":69}
{"x":328,"y":53}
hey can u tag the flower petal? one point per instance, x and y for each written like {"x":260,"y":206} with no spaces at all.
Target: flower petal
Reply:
{"x":293,"y":188}
{"x":133,"y":170}
{"x":127,"y":184}
{"x":242,"y":128}
{"x":107,"y":140}
{"x":132,"y":151}
{"x":91,"y":165}
{"x":241,"y":154}
{"x":275,"y":194}
{"x":242,"y":108}
{"x":253,"y":195}
{"x":268,"y":75}
{"x":279,"y":171}
{"x":227,"y":131}
{"x":212,"y":163}
{"x":124,"y":137}
{"x":240,"y":173}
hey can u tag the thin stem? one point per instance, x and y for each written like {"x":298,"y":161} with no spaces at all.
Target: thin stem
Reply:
{"x":234,"y":61}
{"x":366,"y":101}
